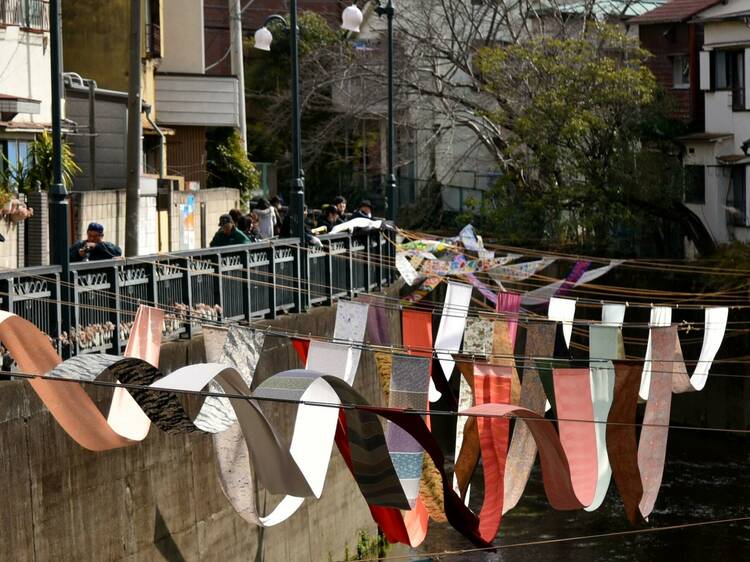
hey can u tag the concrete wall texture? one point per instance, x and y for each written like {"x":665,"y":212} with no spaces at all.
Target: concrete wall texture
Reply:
{"x":160,"y":499}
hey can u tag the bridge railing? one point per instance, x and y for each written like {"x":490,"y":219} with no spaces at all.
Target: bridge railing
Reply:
{"x":228,"y":284}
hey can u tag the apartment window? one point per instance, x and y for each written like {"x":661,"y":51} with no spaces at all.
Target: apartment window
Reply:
{"x":738,"y":193}
{"x":680,"y":72}
{"x":694,"y":178}
{"x":729,"y":74}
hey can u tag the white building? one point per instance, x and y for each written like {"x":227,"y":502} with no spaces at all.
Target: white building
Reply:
{"x":25,"y":96}
{"x":717,"y":158}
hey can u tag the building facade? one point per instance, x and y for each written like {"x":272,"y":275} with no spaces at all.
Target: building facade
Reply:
{"x":717,"y":158}
{"x":25,"y":97}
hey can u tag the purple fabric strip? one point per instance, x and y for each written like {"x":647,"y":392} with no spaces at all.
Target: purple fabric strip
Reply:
{"x":575,"y":274}
{"x":377,"y":321}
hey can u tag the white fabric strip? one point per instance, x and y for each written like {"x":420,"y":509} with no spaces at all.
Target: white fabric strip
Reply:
{"x":563,"y":310}
{"x":715,"y":326}
{"x":451,"y":330}
{"x":602,"y":373}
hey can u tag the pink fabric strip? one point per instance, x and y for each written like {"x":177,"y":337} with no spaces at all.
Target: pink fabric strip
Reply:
{"x":510,"y":303}
{"x":652,"y":448}
{"x":573,"y":401}
{"x":492,"y":386}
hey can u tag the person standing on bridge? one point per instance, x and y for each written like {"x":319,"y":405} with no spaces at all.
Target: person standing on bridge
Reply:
{"x":228,"y":234}
{"x":94,"y":248}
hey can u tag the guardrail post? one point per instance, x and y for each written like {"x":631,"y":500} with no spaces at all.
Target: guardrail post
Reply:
{"x":187,"y":295}
{"x":272,"y":287}
{"x":114,"y":283}
{"x":299,"y":271}
{"x":329,"y":271}
{"x":350,"y":266}
{"x":248,"y":304}
{"x":219,"y":287}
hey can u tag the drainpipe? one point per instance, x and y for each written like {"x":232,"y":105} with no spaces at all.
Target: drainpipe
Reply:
{"x":162,"y":141}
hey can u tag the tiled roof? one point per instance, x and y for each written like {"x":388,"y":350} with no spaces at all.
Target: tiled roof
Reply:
{"x":675,"y":11}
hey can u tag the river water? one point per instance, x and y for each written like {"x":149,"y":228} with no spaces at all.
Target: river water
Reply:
{"x":707,"y":477}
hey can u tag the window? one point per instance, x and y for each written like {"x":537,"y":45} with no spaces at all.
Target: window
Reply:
{"x":738,"y":195}
{"x":15,"y":159}
{"x":680,"y":71}
{"x":694,"y":178}
{"x":729,"y":74}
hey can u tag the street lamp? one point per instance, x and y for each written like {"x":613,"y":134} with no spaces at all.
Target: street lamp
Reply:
{"x":59,"y":227}
{"x":263,"y":39}
{"x":351,"y":19}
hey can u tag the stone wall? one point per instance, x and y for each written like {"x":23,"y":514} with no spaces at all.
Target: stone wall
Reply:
{"x":160,"y":499}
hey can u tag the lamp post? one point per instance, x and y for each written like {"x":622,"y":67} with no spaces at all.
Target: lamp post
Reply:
{"x":351,"y":20}
{"x":59,"y":227}
{"x":263,"y":39}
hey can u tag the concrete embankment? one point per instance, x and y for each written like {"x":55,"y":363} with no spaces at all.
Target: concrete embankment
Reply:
{"x":160,"y":499}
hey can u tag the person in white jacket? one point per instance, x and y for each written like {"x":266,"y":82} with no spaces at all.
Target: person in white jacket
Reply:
{"x":267,"y":219}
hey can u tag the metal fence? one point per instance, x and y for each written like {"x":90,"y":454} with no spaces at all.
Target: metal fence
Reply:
{"x":230,"y":284}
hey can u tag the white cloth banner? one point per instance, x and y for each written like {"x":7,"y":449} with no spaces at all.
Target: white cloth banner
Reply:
{"x":451,"y":330}
{"x":356,"y":223}
{"x":563,"y":310}
{"x":605,"y":345}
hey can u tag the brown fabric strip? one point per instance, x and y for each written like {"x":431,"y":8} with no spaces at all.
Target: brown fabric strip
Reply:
{"x":468,"y":456}
{"x":622,"y":447}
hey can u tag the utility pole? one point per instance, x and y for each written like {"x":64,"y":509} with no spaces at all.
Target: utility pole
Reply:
{"x":135,"y":151}
{"x":238,"y":62}
{"x":59,"y":218}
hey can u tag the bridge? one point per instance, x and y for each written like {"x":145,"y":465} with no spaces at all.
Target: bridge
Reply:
{"x":229,"y":284}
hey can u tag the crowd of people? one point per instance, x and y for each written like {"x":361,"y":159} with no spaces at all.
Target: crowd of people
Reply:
{"x":269,"y":219}
{"x":266,"y":219}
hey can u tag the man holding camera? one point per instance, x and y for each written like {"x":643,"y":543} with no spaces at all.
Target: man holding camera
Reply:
{"x":94,"y":247}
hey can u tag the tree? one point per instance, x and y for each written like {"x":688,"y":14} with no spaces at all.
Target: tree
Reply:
{"x":228,"y":164}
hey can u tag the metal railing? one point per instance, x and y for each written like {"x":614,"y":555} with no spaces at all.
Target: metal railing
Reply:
{"x":30,"y":15}
{"x":222,"y":285}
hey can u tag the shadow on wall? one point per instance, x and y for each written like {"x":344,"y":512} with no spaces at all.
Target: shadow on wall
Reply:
{"x":163,"y":540}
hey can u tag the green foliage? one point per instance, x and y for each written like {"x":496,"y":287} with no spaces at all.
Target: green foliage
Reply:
{"x":368,"y":547}
{"x":587,"y":149}
{"x":24,"y":177}
{"x":228,"y":164}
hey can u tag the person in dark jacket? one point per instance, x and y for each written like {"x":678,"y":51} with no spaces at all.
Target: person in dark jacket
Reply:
{"x":364,"y":211}
{"x":94,"y":248}
{"x":339,"y":202}
{"x":330,"y":218}
{"x":228,"y":234}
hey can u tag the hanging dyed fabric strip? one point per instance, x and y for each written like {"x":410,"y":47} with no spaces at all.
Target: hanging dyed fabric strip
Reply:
{"x":451,"y":331}
{"x":605,"y":345}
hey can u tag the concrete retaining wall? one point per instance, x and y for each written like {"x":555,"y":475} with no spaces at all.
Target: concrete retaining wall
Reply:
{"x":160,"y":499}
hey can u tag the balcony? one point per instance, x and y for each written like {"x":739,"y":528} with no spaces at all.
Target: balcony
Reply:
{"x":29,"y":15}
